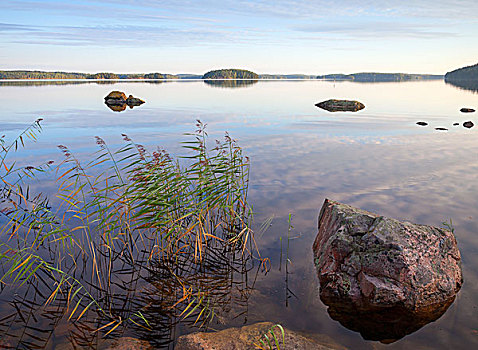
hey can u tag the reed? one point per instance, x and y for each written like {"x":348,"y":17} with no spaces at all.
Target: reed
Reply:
{"x":130,"y":210}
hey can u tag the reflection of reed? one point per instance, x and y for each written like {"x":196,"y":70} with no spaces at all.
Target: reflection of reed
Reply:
{"x":230,"y":83}
{"x":215,"y":289}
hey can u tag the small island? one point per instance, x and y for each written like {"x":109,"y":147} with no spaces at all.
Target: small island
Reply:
{"x":230,"y":74}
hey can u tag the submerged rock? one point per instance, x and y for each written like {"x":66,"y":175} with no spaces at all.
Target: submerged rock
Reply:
{"x":341,"y":105}
{"x":245,"y":338}
{"x":467,"y":110}
{"x":441,"y":129}
{"x":128,"y":343}
{"x":468,"y":124}
{"x":456,"y":124}
{"x":382,"y":277}
{"x":422,"y":123}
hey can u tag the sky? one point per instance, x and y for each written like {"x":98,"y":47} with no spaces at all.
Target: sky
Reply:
{"x":265,"y":36}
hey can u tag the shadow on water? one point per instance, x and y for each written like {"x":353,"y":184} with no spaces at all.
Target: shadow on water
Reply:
{"x":468,"y":85}
{"x":230,"y":83}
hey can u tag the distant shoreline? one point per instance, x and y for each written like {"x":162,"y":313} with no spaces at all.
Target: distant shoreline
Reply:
{"x":216,"y":75}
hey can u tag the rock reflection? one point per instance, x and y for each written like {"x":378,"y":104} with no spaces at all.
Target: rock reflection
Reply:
{"x":386,"y":326}
{"x":230,"y":83}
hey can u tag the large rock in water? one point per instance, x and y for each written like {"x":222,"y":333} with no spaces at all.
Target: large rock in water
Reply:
{"x":382,"y":277}
{"x":246,"y":337}
{"x":341,"y":105}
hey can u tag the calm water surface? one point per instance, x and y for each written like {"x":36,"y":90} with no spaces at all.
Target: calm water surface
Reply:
{"x":377,"y":159}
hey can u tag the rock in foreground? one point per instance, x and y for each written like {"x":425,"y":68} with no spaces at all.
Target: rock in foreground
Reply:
{"x":382,"y":277}
{"x":128,"y":343}
{"x":245,"y":337}
{"x":341,"y":105}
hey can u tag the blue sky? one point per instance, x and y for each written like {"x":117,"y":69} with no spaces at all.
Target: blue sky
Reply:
{"x":266,"y":36}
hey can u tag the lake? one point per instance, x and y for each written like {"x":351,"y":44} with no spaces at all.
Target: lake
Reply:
{"x":376,"y":159}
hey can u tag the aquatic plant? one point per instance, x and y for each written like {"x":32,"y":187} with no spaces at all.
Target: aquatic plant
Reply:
{"x":270,"y":340}
{"x":134,"y":234}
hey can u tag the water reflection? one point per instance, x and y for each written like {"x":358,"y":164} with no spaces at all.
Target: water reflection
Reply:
{"x":379,"y":161}
{"x":386,"y":326}
{"x":160,"y":290}
{"x":469,"y":85}
{"x":230,"y":83}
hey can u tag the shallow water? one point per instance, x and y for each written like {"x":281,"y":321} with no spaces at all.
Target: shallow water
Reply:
{"x":377,"y":159}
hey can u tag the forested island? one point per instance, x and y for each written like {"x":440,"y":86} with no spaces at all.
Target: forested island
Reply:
{"x":469,"y":73}
{"x":379,"y":77}
{"x":230,"y":74}
{"x":464,"y":78}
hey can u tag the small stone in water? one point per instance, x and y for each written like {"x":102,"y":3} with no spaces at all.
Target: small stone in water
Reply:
{"x":456,"y":124}
{"x":441,"y":129}
{"x":467,"y":110}
{"x":468,"y":124}
{"x":422,"y":123}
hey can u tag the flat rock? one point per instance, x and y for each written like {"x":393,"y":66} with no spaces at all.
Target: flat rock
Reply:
{"x":456,"y":124}
{"x":468,"y":124}
{"x":441,"y":129}
{"x":382,"y":277}
{"x":467,"y":110}
{"x":341,"y":105}
{"x":245,"y":338}
{"x":422,"y":123}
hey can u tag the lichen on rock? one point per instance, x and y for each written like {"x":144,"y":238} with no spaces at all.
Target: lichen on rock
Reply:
{"x":375,"y":268}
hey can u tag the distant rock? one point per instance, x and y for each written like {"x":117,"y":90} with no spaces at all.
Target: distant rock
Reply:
{"x":467,"y":110}
{"x":382,"y":277}
{"x":456,"y":124}
{"x":341,"y":105}
{"x":117,"y":101}
{"x":468,"y":124}
{"x":134,"y":101}
{"x":422,"y":123}
{"x":245,"y":337}
{"x":115,"y":98}
{"x":441,"y":129}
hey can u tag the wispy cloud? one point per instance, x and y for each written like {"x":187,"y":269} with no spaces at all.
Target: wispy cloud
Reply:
{"x":124,"y":35}
{"x":9,"y":27}
{"x":373,"y":30}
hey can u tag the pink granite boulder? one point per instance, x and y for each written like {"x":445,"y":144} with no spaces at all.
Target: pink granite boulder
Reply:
{"x":382,"y":277}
